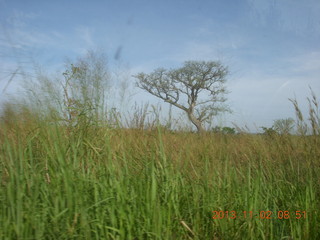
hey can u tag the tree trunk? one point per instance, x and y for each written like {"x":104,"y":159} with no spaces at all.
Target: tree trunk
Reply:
{"x":196,"y":122}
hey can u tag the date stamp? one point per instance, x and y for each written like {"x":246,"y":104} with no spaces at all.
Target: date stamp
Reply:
{"x":259,"y":214}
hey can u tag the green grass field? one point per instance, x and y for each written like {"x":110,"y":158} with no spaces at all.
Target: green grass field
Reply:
{"x":90,"y":182}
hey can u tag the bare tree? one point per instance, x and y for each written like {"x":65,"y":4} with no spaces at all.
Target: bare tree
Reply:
{"x":196,"y":88}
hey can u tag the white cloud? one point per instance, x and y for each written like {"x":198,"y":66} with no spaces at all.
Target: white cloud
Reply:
{"x":306,"y":62}
{"x":19,"y":19}
{"x":19,"y":32}
{"x":261,"y":97}
{"x":288,"y":15}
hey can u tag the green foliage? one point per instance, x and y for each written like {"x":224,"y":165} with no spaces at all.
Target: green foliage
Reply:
{"x":224,"y":130}
{"x":133,"y":184}
{"x":279,"y":127}
{"x":269,"y":131}
{"x":83,"y":180}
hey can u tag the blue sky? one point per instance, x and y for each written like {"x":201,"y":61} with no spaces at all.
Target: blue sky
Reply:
{"x":272,"y":47}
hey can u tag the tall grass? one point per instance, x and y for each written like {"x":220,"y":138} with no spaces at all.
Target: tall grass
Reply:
{"x":92,"y":182}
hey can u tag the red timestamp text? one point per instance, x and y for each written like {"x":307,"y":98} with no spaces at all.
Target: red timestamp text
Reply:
{"x":282,"y":214}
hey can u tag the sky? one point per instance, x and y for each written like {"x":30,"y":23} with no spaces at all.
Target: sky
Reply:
{"x":271,"y":47}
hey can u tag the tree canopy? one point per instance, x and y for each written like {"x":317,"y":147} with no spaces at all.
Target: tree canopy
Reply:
{"x":197,"y":88}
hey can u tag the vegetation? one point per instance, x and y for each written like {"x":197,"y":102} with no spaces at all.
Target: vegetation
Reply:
{"x":284,"y":126}
{"x":93,"y":182}
{"x":224,"y":130}
{"x":64,"y":175}
{"x":195,"y":88}
{"x":269,"y":131}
